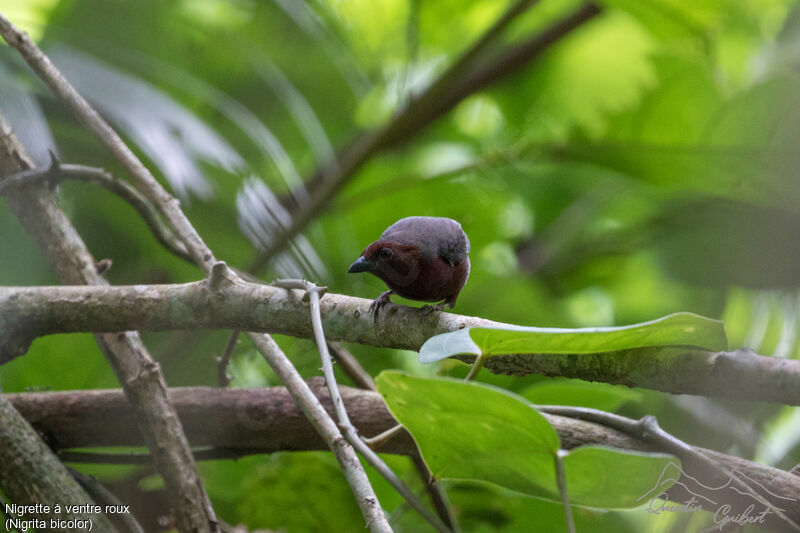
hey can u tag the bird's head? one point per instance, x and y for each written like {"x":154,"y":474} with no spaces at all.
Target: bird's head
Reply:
{"x":394,"y":263}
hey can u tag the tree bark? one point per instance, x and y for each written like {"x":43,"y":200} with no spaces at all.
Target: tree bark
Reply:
{"x":32,"y":311}
{"x":236,"y":422}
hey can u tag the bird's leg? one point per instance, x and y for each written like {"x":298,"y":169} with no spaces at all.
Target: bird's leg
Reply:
{"x":380,"y":301}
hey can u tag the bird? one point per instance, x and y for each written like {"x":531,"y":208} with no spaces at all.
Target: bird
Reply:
{"x":419,"y":258}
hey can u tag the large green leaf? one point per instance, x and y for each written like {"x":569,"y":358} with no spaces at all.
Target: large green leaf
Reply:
{"x":679,"y":329}
{"x":472,"y":431}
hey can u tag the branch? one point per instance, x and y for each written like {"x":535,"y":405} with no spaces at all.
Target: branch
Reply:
{"x":107,"y":498}
{"x":513,"y":59}
{"x":266,"y":420}
{"x":37,"y":209}
{"x":349,"y":432}
{"x":29,"y":312}
{"x":363,"y":380}
{"x":141,"y":176}
{"x":465,"y":80}
{"x":57,"y":172}
{"x":648,"y":430}
{"x":31,"y":474}
{"x":169,"y":208}
{"x":327,"y":429}
{"x":223,"y":380}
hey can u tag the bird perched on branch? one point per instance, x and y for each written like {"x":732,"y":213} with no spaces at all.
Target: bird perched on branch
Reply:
{"x":419,"y":258}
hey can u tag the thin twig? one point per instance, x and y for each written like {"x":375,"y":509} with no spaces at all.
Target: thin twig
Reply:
{"x":103,"y":496}
{"x":350,"y":432}
{"x":361,"y":377}
{"x":351,"y":366}
{"x":58,"y":171}
{"x":223,"y":380}
{"x":647,"y":429}
{"x":437,"y":494}
{"x":325,"y":426}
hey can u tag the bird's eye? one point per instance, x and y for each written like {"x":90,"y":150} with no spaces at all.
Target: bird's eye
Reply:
{"x":386,"y":254}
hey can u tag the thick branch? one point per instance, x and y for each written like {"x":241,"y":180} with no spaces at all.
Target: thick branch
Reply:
{"x":33,"y":311}
{"x":244,"y":421}
{"x":31,"y":474}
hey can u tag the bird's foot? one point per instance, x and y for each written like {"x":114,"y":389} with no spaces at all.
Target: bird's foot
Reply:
{"x":430,"y":309}
{"x":380,"y":301}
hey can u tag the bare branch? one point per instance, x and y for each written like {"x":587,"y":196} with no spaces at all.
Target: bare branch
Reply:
{"x":31,"y":474}
{"x":222,"y":362}
{"x":325,"y":426}
{"x":349,"y":431}
{"x":33,"y":311}
{"x":508,"y":62}
{"x":105,"y":497}
{"x":58,"y":172}
{"x":350,"y":365}
{"x":246,"y":421}
{"x":648,"y":430}
{"x":363,"y":380}
{"x":37,"y":209}
{"x":141,"y":176}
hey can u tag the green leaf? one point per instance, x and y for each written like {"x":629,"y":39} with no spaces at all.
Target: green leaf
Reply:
{"x":573,"y":392}
{"x":679,"y":329}
{"x":472,"y":431}
{"x":612,"y":478}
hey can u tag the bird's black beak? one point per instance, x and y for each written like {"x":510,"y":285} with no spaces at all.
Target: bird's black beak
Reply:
{"x":360,"y":265}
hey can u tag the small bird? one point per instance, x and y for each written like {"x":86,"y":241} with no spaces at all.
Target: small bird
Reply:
{"x":419,"y":258}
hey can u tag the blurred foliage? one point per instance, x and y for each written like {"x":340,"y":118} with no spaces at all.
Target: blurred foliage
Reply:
{"x":644,"y":165}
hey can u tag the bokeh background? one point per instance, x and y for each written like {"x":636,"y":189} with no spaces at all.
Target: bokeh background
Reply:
{"x":644,"y":163}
